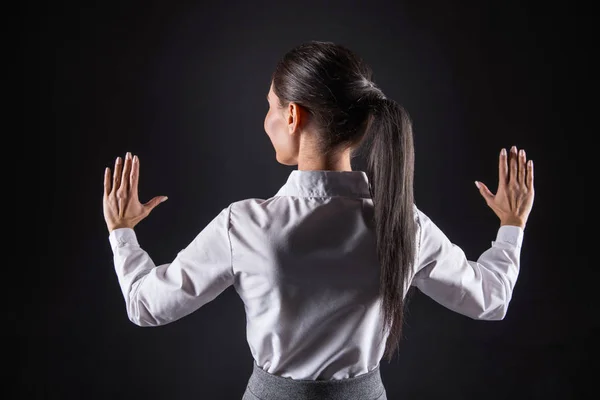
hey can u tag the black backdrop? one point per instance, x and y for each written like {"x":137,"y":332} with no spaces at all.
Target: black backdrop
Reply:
{"x":183,"y":86}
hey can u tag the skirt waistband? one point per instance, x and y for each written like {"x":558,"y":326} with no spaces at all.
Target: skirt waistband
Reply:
{"x":266,"y":386}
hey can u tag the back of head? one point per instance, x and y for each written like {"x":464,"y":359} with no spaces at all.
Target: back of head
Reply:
{"x":333,"y":84}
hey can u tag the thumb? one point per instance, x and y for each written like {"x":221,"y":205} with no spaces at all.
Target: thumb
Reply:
{"x":484,"y":191}
{"x":154,"y":202}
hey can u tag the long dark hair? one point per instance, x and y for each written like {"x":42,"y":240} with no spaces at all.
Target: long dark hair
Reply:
{"x":334,"y":85}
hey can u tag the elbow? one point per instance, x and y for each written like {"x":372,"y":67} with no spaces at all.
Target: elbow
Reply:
{"x":490,"y":315}
{"x":498,"y":305}
{"x":497,"y":313}
{"x":144,"y":321}
{"x":139,"y":315}
{"x":136,"y":320}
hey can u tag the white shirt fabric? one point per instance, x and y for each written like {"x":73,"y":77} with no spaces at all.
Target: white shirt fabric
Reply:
{"x":304,"y":264}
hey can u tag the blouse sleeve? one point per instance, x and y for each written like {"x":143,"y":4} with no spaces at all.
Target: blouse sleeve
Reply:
{"x":158,"y":295}
{"x":479,"y":289}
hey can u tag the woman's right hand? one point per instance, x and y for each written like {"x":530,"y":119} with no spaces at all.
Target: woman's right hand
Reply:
{"x":513,"y":200}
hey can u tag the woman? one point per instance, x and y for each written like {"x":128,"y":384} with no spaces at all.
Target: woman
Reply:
{"x":324,"y":266}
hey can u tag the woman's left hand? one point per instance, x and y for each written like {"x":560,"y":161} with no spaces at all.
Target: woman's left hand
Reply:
{"x":122,"y":208}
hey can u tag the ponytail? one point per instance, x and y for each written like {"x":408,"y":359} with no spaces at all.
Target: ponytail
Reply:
{"x":390,"y":171}
{"x":334,"y":84}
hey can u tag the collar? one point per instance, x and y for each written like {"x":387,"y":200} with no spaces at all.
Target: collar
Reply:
{"x":321,"y":183}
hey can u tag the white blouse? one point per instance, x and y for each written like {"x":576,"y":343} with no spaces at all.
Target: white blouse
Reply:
{"x":304,"y":264}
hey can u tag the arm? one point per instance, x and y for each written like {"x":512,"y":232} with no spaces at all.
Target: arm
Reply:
{"x":479,"y":289}
{"x":158,"y":295}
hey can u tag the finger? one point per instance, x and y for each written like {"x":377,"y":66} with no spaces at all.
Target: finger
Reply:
{"x":154,"y":202}
{"x":117,"y":175}
{"x":502,"y":168}
{"x":126,"y":172}
{"x":513,"y":164}
{"x":521,"y":172}
{"x":135,"y":175}
{"x":485,"y":192}
{"x":106,"y":181}
{"x":530,"y":174}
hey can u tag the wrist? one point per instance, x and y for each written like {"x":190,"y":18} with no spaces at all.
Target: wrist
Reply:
{"x":514,"y":222}
{"x":113,"y":227}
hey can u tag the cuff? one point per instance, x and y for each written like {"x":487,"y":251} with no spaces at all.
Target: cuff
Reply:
{"x":510,"y":234}
{"x":121,"y":236}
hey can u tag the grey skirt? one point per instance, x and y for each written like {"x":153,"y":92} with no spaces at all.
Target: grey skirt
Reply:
{"x":263,"y":385}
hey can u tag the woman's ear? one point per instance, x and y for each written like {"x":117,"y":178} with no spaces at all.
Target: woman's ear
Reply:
{"x":297,"y":118}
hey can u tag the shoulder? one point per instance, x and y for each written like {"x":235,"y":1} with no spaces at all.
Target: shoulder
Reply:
{"x":255,"y":216}
{"x":254,"y":206}
{"x":244,"y":204}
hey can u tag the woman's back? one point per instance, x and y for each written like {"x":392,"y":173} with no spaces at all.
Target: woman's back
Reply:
{"x":307,"y":272}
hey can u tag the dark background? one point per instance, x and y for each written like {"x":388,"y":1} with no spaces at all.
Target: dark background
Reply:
{"x":183,"y":86}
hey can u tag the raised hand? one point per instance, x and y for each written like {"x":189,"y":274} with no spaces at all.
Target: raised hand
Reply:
{"x":514,"y":198}
{"x":122,"y":208}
